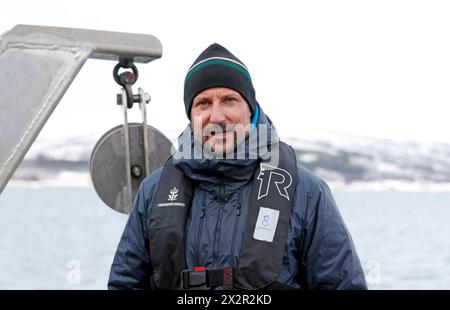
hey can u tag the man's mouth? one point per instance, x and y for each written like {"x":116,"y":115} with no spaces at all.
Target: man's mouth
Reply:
{"x":219,"y":134}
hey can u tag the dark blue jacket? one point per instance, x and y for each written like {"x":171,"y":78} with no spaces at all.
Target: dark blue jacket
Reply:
{"x":319,"y":252}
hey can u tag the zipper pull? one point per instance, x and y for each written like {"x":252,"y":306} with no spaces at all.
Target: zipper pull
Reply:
{"x":238,"y":212}
{"x":202,"y":214}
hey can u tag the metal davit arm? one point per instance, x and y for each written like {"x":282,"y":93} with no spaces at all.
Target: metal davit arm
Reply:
{"x":108,"y":45}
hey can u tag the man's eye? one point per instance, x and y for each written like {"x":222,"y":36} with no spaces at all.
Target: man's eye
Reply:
{"x":230,"y":99}
{"x":201,"y":103}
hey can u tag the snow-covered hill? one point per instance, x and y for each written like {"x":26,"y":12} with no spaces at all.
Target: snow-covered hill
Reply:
{"x":373,"y":163}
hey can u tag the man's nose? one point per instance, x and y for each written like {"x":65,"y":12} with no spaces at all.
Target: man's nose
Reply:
{"x":217,"y":114}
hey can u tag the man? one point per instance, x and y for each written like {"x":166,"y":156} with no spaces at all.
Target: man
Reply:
{"x":231,"y":209}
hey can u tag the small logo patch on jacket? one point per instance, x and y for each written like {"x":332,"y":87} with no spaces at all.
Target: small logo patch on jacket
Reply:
{"x":172,"y":197}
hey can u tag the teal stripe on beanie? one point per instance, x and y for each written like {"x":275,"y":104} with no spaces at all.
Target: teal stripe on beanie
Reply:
{"x":218,"y":62}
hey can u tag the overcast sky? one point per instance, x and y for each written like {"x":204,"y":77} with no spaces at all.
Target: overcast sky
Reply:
{"x":374,"y":68}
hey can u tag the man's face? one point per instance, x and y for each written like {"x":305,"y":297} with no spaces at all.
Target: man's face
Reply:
{"x":220,"y":117}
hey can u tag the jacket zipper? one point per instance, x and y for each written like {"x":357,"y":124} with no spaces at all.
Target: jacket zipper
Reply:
{"x":301,"y":246}
{"x":200,"y":228}
{"x":238,"y":213}
{"x":219,"y":220}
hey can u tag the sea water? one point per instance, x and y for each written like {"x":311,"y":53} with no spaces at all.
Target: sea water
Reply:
{"x":65,"y":238}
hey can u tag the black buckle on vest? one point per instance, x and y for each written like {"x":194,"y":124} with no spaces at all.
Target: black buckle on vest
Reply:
{"x":201,"y":278}
{"x":194,"y":279}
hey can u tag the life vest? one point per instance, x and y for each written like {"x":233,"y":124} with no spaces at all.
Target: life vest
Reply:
{"x":266,"y":230}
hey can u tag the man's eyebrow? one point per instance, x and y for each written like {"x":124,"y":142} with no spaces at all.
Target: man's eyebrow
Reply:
{"x":201,"y":98}
{"x":229,"y":95}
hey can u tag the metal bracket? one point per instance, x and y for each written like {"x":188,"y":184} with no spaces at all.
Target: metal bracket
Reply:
{"x":126,"y":99}
{"x":135,"y":171}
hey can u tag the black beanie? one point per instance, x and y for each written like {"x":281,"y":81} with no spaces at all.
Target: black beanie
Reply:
{"x":217,"y":67}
